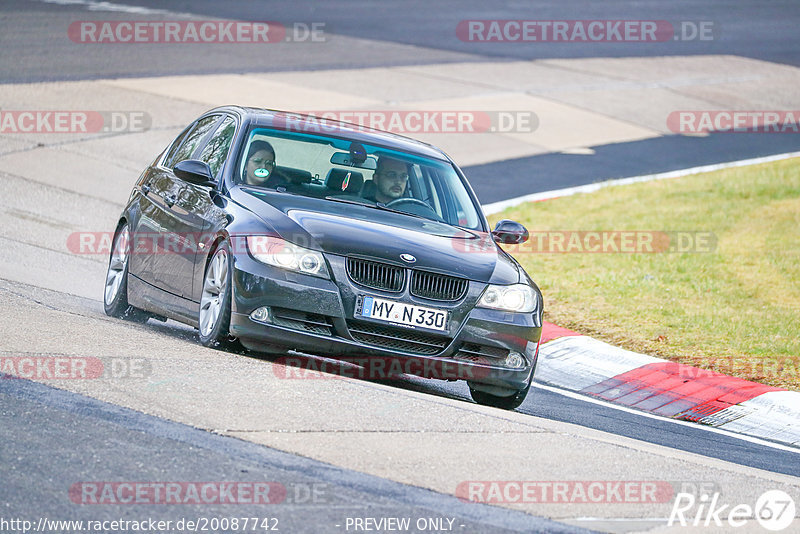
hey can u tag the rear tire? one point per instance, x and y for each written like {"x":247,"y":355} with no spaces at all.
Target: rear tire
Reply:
{"x":115,"y":294}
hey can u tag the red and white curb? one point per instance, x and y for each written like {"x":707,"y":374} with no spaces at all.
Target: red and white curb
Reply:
{"x":568,"y":360}
{"x":591,"y":367}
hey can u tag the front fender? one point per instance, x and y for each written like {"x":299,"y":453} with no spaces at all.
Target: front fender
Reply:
{"x":227,"y":221}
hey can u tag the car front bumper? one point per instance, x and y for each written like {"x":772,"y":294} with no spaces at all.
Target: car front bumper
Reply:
{"x":317,"y":316}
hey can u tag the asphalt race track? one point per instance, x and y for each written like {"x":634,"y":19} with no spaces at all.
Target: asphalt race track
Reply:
{"x":342,"y":448}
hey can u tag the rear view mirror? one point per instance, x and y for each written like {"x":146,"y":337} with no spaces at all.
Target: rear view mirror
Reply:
{"x":195,"y":172}
{"x":510,"y":232}
{"x":347,"y":159}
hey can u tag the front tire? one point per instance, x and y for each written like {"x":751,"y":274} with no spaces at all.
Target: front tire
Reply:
{"x":504,"y":403}
{"x":214,"y":317}
{"x":115,"y":294}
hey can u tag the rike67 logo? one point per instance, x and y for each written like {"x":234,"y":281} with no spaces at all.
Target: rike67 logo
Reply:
{"x":774,"y":510}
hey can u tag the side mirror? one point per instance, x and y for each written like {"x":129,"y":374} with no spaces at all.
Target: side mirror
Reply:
{"x":510,"y":232}
{"x":195,"y":172}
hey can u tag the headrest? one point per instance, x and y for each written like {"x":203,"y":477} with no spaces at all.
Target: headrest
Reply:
{"x":336,"y":179}
{"x":368,"y":190}
{"x":295,"y":176}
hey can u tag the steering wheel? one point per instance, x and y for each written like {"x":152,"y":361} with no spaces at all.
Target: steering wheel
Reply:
{"x":414,"y":202}
{"x":408,"y":200}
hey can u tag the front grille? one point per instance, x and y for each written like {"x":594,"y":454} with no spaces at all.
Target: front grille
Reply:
{"x":481,"y":353}
{"x":375,"y":275}
{"x":437,"y":286}
{"x":397,"y":338}
{"x":306,"y":322}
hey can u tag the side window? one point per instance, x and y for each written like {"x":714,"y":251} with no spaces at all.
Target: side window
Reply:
{"x":429,"y":193}
{"x":175,"y":145}
{"x":190,"y":142}
{"x":216,"y":151}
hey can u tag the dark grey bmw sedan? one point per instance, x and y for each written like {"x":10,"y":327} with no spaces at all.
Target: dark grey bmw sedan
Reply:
{"x":282,"y":232}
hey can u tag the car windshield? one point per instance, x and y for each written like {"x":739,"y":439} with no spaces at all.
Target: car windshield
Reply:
{"x":340,"y":170}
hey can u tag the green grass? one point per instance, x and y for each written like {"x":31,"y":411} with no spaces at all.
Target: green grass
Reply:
{"x":735,"y":309}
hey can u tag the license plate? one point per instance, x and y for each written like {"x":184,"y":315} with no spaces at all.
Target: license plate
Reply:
{"x":392,"y":311}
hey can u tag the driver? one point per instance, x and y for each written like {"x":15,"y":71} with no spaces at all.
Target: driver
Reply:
{"x":390,"y":179}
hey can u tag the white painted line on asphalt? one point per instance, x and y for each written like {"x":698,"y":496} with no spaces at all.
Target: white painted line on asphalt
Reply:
{"x":690,"y":424}
{"x":621,"y":519}
{"x":92,"y":5}
{"x":578,"y":362}
{"x":496,"y":207}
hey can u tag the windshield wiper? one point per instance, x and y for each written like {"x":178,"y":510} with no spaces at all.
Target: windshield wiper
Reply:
{"x":382,"y":206}
{"x":261,"y":190}
{"x":348,"y":201}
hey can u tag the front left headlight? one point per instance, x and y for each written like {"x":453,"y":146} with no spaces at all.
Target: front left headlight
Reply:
{"x":281,"y":253}
{"x":514,"y":298}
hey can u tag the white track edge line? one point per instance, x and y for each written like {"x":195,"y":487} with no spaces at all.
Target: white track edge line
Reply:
{"x":496,"y":207}
{"x":96,"y":5}
{"x":744,"y":437}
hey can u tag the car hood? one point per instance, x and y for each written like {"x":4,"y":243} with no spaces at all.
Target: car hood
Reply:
{"x":352,"y":230}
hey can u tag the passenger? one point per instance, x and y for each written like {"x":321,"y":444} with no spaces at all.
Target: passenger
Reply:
{"x":260,"y":166}
{"x":389,"y":181}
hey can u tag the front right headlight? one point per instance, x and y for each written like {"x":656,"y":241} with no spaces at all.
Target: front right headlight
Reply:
{"x":281,"y":253}
{"x":514,"y":298}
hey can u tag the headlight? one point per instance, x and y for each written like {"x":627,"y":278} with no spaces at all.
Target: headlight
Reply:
{"x":515,"y":298}
{"x":281,"y":253}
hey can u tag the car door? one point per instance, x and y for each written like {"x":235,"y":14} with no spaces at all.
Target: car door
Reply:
{"x":195,"y":209}
{"x":160,"y":229}
{"x":145,"y":228}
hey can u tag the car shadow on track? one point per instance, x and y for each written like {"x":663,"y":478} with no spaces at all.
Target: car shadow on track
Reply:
{"x":295,"y":365}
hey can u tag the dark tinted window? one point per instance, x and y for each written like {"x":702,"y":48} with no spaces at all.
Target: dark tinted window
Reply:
{"x":190,"y":142}
{"x":216,"y":151}
{"x":175,"y":144}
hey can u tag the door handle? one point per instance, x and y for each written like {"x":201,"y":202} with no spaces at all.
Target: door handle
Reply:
{"x":170,"y":199}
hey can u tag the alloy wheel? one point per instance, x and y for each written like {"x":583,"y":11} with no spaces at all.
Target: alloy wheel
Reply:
{"x":117,"y":265}
{"x":214,"y":286}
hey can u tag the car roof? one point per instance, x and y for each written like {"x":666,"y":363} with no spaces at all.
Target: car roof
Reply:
{"x":299,"y":122}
